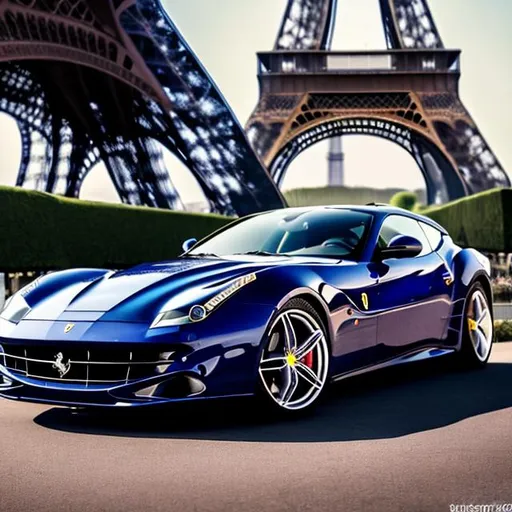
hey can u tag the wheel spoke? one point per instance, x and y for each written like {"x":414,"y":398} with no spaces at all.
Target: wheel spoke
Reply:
{"x":309,"y":344}
{"x":482,"y":342}
{"x":485,"y":324}
{"x":272,"y":364}
{"x":308,"y":375}
{"x":289,"y":333}
{"x":483,"y":315}
{"x":476,"y":339}
{"x":290,"y":385}
{"x":477,"y":308}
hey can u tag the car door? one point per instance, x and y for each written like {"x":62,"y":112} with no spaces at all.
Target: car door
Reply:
{"x":412,"y":294}
{"x":344,"y":284}
{"x":354,"y":343}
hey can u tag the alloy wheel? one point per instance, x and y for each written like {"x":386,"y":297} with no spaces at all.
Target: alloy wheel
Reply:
{"x":480,"y":325}
{"x":294,"y":364}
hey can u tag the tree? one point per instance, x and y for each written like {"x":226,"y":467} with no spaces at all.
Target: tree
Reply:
{"x":405,"y":200}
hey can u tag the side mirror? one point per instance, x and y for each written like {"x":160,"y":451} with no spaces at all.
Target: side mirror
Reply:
{"x":401,"y":246}
{"x":188,"y":244}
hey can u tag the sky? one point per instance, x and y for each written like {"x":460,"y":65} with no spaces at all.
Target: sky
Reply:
{"x":226,"y":34}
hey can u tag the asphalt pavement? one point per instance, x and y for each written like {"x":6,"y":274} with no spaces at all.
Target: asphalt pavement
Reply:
{"x":418,"y":438}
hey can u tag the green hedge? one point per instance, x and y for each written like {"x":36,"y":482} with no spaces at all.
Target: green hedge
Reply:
{"x":503,"y":330}
{"x":41,"y":231}
{"x":482,"y":221}
{"x":342,"y":195}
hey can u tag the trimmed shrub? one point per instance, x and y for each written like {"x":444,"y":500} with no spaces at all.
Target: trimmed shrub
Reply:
{"x":341,"y":195}
{"x":482,"y":221}
{"x":503,"y":330}
{"x":40,"y":231}
{"x":405,"y":200}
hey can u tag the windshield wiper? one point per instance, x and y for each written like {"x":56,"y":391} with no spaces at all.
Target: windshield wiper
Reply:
{"x":201,"y":255}
{"x":260,"y":253}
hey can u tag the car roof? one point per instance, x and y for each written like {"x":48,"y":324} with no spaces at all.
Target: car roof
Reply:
{"x":378,"y":210}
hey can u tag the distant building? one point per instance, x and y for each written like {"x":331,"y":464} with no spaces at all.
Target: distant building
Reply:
{"x":336,"y":159}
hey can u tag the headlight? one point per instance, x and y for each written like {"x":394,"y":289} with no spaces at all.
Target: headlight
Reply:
{"x":199,"y":312}
{"x":230,"y":290}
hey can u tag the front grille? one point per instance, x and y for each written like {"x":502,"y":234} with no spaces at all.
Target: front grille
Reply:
{"x":85,"y":366}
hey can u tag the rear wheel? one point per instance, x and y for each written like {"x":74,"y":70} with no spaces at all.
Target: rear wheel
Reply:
{"x":478,"y":329}
{"x":294,"y":362}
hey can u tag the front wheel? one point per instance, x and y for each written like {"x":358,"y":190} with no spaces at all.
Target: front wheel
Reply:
{"x":294,"y":362}
{"x":478,"y":329}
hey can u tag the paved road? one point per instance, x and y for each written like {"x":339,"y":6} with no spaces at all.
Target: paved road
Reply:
{"x":416,"y":439}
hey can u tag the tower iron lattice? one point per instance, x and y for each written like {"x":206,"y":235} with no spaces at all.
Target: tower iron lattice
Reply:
{"x":114,"y":80}
{"x":407,"y":94}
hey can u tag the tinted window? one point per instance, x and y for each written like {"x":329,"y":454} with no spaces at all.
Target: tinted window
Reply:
{"x":398,"y":225}
{"x":331,"y":232}
{"x":434,"y":235}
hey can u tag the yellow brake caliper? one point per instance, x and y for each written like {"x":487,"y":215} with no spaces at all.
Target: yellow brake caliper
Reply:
{"x":472,"y":324}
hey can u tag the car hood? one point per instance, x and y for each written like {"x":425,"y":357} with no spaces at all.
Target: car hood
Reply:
{"x":138,"y":294}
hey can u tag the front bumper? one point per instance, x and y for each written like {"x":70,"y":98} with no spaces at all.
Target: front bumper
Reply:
{"x":209,"y":360}
{"x":169,"y":388}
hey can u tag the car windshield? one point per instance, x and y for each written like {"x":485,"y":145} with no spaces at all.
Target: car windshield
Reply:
{"x":329,"y":232}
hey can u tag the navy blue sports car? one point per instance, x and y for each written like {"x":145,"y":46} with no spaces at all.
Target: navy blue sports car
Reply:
{"x":275,"y":305}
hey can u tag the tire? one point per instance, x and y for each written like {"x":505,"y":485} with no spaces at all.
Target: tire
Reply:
{"x":478,"y":329}
{"x":293,"y":367}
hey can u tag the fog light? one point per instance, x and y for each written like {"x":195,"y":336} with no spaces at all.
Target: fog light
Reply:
{"x":179,"y":386}
{"x":147,"y":392}
{"x":197,"y":313}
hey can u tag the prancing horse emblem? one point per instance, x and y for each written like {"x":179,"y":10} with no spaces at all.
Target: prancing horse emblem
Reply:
{"x":60,"y":366}
{"x":364,"y":298}
{"x":68,"y":328}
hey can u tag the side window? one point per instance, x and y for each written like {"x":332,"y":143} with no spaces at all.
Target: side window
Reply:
{"x":398,"y":225}
{"x":434,"y":235}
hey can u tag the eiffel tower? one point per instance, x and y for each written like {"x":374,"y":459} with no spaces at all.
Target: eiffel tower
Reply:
{"x":407,"y":94}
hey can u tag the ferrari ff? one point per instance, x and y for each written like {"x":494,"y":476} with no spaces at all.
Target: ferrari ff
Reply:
{"x":275,"y":305}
